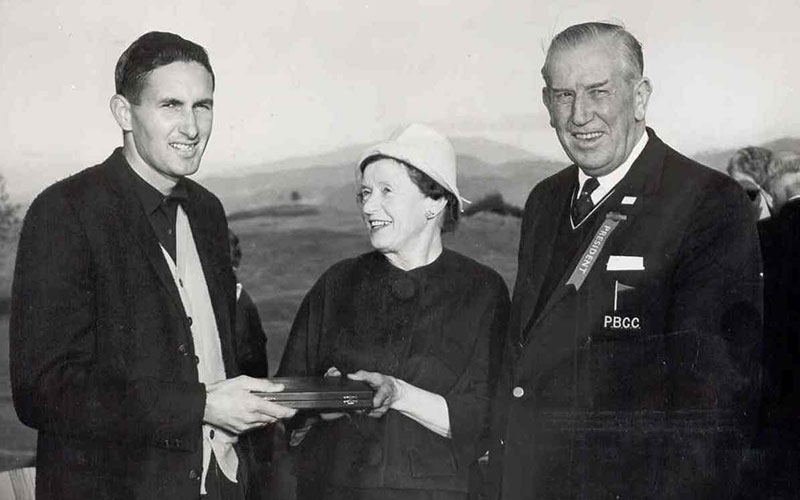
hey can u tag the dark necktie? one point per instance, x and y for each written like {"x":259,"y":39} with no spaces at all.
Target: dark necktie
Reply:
{"x":583,"y":204}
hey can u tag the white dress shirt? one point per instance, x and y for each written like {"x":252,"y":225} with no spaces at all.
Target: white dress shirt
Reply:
{"x":609,"y":181}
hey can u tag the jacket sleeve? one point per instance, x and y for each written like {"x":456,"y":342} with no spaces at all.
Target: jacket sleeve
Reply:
{"x":302,"y":346}
{"x":717,"y":304}
{"x":54,"y":336}
{"x":713,"y":335}
{"x":469,"y":401}
{"x":251,"y":341}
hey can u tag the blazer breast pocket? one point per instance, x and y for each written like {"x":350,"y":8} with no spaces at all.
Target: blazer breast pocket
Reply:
{"x":621,"y":308}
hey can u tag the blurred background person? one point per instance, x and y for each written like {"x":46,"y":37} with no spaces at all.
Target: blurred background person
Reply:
{"x":413,"y":319}
{"x":748,"y":167}
{"x":257,"y":446}
{"x":251,"y":341}
{"x":780,"y":409}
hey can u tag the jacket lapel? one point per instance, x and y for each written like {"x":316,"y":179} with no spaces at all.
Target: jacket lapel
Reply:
{"x":562,"y":290}
{"x":540,"y":250}
{"x":133,"y":216}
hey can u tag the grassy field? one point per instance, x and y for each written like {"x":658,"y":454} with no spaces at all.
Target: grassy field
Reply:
{"x":17,"y":442}
{"x":283,"y":257}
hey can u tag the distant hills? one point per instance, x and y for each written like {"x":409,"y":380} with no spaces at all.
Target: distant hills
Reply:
{"x":485,"y":167}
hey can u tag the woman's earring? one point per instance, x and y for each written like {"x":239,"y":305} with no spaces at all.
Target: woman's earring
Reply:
{"x":429,"y":214}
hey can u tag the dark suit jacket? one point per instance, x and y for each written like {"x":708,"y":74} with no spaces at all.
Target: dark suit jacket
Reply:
{"x":779,"y":430}
{"x":102,"y":357}
{"x":251,"y":357}
{"x":640,"y":383}
{"x":780,"y":243}
{"x":251,"y":352}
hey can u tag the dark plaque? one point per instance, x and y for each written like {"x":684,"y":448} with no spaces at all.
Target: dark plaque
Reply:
{"x":321,"y":393}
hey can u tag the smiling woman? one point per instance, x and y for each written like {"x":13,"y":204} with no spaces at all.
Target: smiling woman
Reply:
{"x":418,"y":322}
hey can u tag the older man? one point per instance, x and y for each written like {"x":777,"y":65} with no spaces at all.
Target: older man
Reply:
{"x":123,"y":305}
{"x":629,"y":369}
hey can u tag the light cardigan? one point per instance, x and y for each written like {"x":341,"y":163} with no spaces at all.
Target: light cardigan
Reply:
{"x":191,"y":283}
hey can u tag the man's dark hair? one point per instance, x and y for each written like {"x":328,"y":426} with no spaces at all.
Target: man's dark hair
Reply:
{"x":149,"y":52}
{"x":578,"y":34}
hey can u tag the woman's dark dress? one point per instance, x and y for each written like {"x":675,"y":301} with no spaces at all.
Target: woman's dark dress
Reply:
{"x":437,"y":327}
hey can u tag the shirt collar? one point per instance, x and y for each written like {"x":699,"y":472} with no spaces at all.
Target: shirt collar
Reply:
{"x":611,"y":179}
{"x":151,"y":197}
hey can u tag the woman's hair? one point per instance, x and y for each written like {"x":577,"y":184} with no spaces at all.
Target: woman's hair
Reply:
{"x":782,"y":163}
{"x":751,"y":161}
{"x":429,"y":188}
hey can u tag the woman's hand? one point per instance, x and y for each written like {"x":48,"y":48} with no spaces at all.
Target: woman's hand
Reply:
{"x":425,"y":407}
{"x":386,"y":388}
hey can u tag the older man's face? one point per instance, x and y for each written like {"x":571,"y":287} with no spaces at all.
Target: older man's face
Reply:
{"x":596,"y":109}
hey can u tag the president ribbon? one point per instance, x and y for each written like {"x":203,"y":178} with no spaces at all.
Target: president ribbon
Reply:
{"x":589,"y":257}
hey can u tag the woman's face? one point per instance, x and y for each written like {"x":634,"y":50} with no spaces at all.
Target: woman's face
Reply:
{"x":393,"y":207}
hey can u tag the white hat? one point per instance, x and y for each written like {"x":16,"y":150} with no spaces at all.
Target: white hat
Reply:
{"x":424,"y":149}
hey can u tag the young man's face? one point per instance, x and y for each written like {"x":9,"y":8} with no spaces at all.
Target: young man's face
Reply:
{"x":171,"y":121}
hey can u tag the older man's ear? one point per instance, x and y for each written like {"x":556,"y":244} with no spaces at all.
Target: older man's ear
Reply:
{"x":546,"y":102}
{"x":642,"y":93}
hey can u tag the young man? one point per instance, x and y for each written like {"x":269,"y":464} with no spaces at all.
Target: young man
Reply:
{"x":123,"y":305}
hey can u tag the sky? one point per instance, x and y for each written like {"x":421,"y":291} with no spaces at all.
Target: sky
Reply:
{"x":298,"y":78}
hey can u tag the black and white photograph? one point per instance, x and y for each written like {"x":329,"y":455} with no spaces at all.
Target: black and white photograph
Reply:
{"x":423,"y":250}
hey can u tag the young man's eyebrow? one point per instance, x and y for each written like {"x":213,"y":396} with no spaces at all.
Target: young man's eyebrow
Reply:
{"x":171,"y":100}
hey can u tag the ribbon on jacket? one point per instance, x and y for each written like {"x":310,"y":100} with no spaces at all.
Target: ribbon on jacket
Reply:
{"x":589,"y":257}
